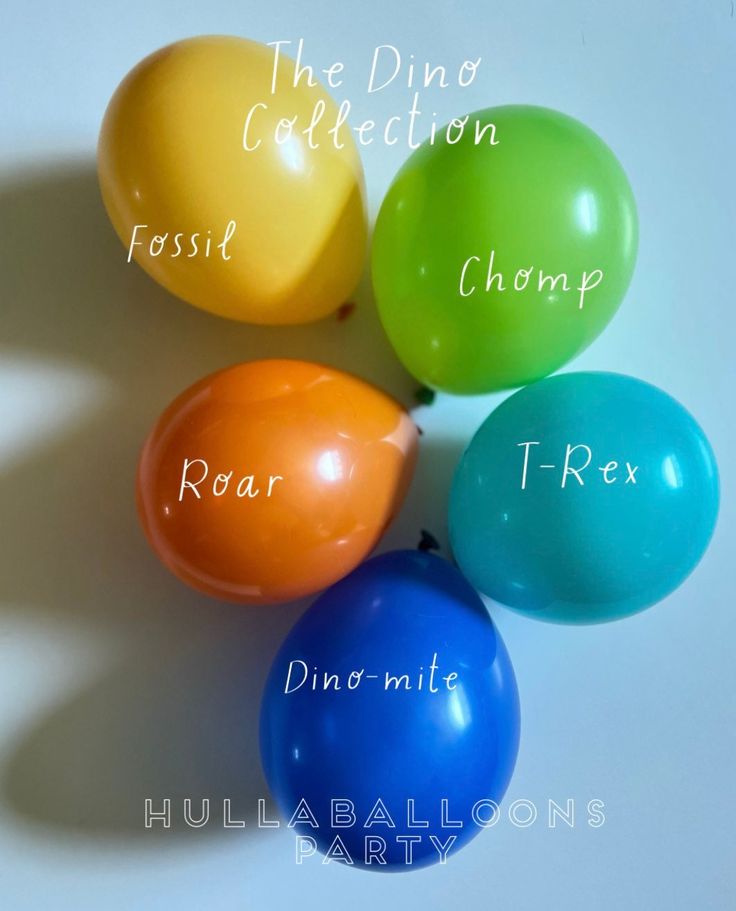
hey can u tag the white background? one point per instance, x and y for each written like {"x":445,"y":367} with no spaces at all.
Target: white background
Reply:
{"x":118,"y":683}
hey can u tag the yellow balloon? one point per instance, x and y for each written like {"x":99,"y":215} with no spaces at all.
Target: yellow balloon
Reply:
{"x":240,"y":200}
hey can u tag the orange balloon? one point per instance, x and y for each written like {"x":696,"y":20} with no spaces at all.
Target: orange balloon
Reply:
{"x":271,"y":480}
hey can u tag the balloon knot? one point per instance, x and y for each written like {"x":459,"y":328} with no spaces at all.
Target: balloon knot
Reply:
{"x":344,"y":311}
{"x":428,"y":542}
{"x":425,"y":396}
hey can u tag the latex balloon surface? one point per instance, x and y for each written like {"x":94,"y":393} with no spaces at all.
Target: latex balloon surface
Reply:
{"x":438,"y":747}
{"x":584,"y":497}
{"x":493,"y":265}
{"x":289,"y":208}
{"x":272,"y":479}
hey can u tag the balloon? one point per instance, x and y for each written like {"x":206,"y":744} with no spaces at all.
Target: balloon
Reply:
{"x":549,"y":199}
{"x":172,"y":160}
{"x":438,"y":748}
{"x":271,"y":480}
{"x":583,"y":498}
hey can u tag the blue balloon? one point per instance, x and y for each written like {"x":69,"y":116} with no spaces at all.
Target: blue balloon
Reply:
{"x":418,"y":760}
{"x":584,"y":498}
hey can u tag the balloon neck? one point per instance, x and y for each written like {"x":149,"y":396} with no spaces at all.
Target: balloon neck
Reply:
{"x":428,"y":542}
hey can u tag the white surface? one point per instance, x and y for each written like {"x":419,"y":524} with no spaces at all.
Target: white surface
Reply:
{"x":116,"y":679}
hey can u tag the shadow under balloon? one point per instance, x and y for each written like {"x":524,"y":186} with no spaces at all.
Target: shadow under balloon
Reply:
{"x":177,"y":723}
{"x":70,"y":297}
{"x":68,"y":291}
{"x":177,"y":716}
{"x":426,"y":504}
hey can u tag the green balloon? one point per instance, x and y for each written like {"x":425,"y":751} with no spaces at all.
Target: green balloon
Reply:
{"x":545,"y":216}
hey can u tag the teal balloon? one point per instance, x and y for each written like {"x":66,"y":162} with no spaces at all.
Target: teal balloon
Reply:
{"x":583,"y":498}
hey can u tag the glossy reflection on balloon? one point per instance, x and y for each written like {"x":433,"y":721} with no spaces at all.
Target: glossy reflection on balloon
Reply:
{"x":454,"y":745}
{"x":172,"y":161}
{"x":272,"y":479}
{"x":620,"y":541}
{"x":549,"y":197}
